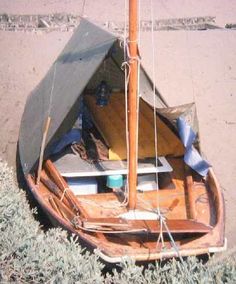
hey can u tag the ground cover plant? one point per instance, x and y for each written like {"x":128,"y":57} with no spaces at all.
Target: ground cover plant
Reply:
{"x":30,"y":255}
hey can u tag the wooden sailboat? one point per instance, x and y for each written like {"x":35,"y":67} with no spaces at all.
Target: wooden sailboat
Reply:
{"x":184,"y":216}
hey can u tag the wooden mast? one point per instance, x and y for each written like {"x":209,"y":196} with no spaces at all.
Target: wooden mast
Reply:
{"x":132,"y":104}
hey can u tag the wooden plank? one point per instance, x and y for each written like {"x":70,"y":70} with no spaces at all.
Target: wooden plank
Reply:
{"x":71,"y":165}
{"x":152,"y":226}
{"x":110,"y":121}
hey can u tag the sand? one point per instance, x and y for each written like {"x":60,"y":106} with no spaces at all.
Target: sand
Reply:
{"x":190,"y":66}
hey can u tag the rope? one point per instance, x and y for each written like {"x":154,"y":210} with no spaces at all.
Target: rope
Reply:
{"x":128,"y":59}
{"x":154,"y":94}
{"x":138,"y":86}
{"x":64,"y":192}
{"x":178,"y":253}
{"x":76,"y":223}
{"x":161,"y":237}
{"x":115,"y":204}
{"x":126,"y":66}
{"x":147,"y":205}
{"x":161,"y":217}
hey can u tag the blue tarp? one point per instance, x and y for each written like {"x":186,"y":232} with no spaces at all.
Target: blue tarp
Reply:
{"x":71,"y":137}
{"x":191,"y":157}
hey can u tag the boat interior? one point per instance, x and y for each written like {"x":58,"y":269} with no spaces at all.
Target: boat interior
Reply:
{"x":78,"y":186}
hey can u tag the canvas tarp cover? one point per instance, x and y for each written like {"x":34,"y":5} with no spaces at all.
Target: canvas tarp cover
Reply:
{"x":188,"y":112}
{"x":112,"y":72}
{"x":57,"y":95}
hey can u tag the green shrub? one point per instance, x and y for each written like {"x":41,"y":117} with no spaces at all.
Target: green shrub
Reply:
{"x":175,"y":272}
{"x":29,"y":255}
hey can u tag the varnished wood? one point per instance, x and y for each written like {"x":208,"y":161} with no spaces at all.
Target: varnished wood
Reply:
{"x":140,"y":244}
{"x":190,"y":197}
{"x":64,"y":210}
{"x":53,"y":188}
{"x":110,"y":122}
{"x":151,"y":226}
{"x":132,"y":103}
{"x":62,"y":184}
{"x":54,"y":206}
{"x":172,"y":202}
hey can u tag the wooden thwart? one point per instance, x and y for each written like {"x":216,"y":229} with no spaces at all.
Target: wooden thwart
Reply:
{"x":70,"y":165}
{"x":152,"y":226}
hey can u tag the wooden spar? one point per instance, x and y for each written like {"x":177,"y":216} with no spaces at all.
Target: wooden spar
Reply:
{"x":62,"y":184}
{"x":132,"y":104}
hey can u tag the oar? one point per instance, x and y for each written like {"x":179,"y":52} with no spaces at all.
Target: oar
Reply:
{"x":63,"y":186}
{"x":53,"y":188}
{"x":61,"y":209}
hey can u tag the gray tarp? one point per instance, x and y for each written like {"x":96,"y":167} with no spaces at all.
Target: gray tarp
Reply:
{"x":187,"y":111}
{"x":89,"y":54}
{"x":74,"y":67}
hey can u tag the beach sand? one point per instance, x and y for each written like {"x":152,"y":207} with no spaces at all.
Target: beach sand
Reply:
{"x":190,"y":66}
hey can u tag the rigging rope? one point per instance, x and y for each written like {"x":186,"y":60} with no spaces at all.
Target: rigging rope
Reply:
{"x":126,"y":66}
{"x":138,"y":78}
{"x":160,"y":217}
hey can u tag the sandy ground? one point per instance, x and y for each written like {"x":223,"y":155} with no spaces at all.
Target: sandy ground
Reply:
{"x":195,"y":66}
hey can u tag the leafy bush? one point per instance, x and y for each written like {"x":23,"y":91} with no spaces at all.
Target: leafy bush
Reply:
{"x":175,"y":272}
{"x":29,"y":255}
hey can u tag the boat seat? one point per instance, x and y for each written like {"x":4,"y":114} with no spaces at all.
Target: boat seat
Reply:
{"x":152,"y":226}
{"x":71,"y":165}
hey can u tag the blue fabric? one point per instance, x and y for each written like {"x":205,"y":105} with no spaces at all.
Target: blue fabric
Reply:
{"x":86,"y":118}
{"x":73,"y":136}
{"x":191,"y":157}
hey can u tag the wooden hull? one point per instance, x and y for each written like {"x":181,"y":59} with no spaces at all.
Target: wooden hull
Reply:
{"x":143,"y":246}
